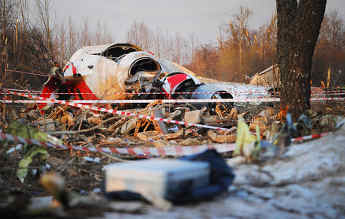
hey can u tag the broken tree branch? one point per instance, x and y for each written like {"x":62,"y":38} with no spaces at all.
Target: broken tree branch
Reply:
{"x":82,"y":131}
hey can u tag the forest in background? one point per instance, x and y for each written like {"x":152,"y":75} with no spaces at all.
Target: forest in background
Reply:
{"x":32,"y":40}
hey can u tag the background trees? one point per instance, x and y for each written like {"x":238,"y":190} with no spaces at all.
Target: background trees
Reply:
{"x":237,"y":53}
{"x":330,"y":51}
{"x":240,"y":52}
{"x":45,"y":17}
{"x":21,"y":43}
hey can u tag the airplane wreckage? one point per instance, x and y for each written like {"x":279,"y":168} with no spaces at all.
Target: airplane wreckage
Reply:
{"x":124,"y":71}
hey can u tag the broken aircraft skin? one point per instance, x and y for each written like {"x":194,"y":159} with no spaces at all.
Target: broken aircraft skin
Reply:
{"x":114,"y":71}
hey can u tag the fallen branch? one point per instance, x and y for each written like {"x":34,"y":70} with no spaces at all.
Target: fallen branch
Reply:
{"x":81,"y":131}
{"x":115,"y":158}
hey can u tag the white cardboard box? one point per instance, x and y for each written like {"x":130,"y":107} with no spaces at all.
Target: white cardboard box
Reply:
{"x":155,"y":178}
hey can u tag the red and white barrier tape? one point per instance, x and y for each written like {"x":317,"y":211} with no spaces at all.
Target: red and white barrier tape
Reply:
{"x":309,"y":137}
{"x":333,"y":90}
{"x":142,"y":93}
{"x":328,"y":95}
{"x":166,"y":101}
{"x":121,"y":113}
{"x":20,"y":90}
{"x":318,"y":99}
{"x":233,"y":91}
{"x":316,"y":94}
{"x":340,"y":91}
{"x":322,"y":95}
{"x":142,"y":152}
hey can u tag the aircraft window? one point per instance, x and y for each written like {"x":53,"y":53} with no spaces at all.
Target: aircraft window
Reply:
{"x":115,"y":52}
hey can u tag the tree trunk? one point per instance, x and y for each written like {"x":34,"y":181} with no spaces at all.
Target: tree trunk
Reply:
{"x":298,"y":30}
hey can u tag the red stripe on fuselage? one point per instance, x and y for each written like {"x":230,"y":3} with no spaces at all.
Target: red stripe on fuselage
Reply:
{"x":82,"y":92}
{"x":78,"y":90}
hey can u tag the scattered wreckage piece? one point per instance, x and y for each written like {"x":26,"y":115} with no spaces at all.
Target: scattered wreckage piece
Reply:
{"x":193,"y":178}
{"x":156,"y":180}
{"x":133,"y":126}
{"x":221,"y":138}
{"x":270,"y":78}
{"x":181,"y":136}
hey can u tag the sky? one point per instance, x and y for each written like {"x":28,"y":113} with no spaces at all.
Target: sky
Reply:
{"x":199,"y":17}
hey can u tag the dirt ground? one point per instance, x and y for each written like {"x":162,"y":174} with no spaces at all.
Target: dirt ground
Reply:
{"x":80,"y":175}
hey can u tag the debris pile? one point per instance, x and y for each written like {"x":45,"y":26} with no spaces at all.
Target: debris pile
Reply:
{"x":87,"y":128}
{"x":164,"y":125}
{"x":259,"y":135}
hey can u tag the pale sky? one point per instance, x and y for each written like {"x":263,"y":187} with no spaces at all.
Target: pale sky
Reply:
{"x":201,"y":17}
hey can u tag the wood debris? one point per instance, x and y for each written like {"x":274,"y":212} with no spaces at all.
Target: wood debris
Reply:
{"x":106,"y":130}
{"x":193,"y":116}
{"x":175,"y":135}
{"x":149,"y":136}
{"x":88,"y":128}
{"x":219,"y":138}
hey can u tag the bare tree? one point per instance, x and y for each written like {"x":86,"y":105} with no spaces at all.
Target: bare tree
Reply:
{"x":298,"y":30}
{"x":98,"y":34}
{"x":157,"y":43}
{"x":330,"y":50}
{"x":133,"y":34}
{"x":141,"y":35}
{"x":241,"y":21}
{"x":72,"y":37}
{"x":22,"y":25}
{"x":235,"y":42}
{"x":61,"y":44}
{"x":178,"y":48}
{"x":193,"y":41}
{"x":85,"y":35}
{"x":24,"y":13}
{"x":101,"y":35}
{"x":7,"y":19}
{"x":46,"y":19}
{"x":106,"y":37}
{"x":162,"y":43}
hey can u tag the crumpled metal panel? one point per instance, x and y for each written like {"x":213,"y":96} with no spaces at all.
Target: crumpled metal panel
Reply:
{"x":86,"y":58}
{"x":108,"y":77}
{"x":107,"y":80}
{"x":236,"y":90}
{"x":172,"y":81}
{"x":170,"y":67}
